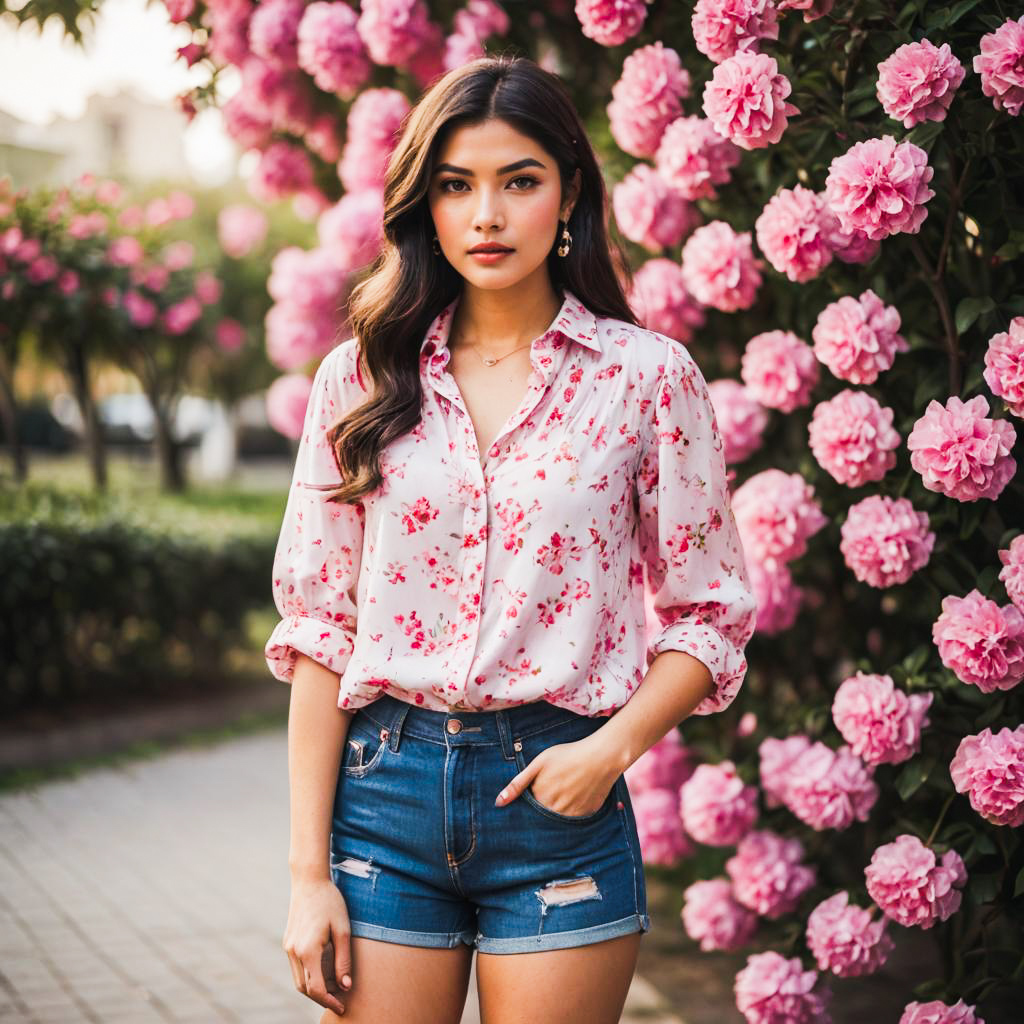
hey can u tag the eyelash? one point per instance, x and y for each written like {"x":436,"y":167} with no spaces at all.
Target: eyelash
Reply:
{"x":522,"y":177}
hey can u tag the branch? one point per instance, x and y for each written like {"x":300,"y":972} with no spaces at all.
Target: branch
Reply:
{"x":938,"y":290}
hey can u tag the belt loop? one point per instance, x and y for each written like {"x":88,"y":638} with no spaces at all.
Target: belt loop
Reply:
{"x":504,"y":733}
{"x":398,"y":719}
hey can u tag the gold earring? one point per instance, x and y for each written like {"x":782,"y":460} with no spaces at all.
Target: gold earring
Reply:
{"x":563,"y":249}
{"x":436,"y":246}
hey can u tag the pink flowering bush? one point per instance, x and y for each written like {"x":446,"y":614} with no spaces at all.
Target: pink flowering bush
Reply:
{"x":745,"y":100}
{"x":990,"y":769}
{"x":767,"y":874}
{"x":693,"y":158}
{"x":853,"y":439}
{"x":650,"y":213}
{"x":647,"y":98}
{"x":777,"y":514}
{"x":793,"y":232}
{"x":1012,"y":572}
{"x":719,"y":267}
{"x":712,"y":917}
{"x":741,"y":418}
{"x":885,"y":540}
{"x":661,"y":302}
{"x":937,"y":1012}
{"x":1004,"y":366}
{"x":662,"y":839}
{"x":880,"y":722}
{"x":721,"y":27}
{"x":981,"y":642}
{"x":829,"y":789}
{"x":1001,"y":66}
{"x":845,"y":939}
{"x":857,"y":339}
{"x":779,"y":370}
{"x":716,"y":807}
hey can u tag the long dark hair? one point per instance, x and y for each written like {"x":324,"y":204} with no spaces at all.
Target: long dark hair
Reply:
{"x":408,"y":285}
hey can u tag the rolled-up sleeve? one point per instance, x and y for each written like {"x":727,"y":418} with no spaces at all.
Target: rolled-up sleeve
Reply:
{"x":688,"y":538}
{"x":319,"y":549}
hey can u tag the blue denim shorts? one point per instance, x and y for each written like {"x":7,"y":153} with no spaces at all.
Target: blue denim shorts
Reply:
{"x":424,"y":858}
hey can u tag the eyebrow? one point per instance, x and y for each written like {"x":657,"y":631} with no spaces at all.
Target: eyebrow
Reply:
{"x":518,"y":165}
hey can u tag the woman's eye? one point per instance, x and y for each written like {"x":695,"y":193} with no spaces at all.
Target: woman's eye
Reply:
{"x":531,"y":181}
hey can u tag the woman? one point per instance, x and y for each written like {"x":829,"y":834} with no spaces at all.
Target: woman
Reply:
{"x":486,"y":469}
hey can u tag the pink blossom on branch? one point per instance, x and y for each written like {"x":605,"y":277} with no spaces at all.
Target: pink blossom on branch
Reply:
{"x":712,"y":917}
{"x":766,"y":873}
{"x":661,"y":302}
{"x":742,"y":420}
{"x":721,"y":27}
{"x":990,"y":769}
{"x":776,"y":759}
{"x":779,"y":370}
{"x":845,"y":939}
{"x":717,"y":808}
{"x":331,"y":49}
{"x":1004,"y":366}
{"x":917,"y":82}
{"x":776,"y":513}
{"x":880,"y":187}
{"x":830,"y":789}
{"x":858,"y":338}
{"x":611,"y":22}
{"x":793,"y":233}
{"x":880,"y":722}
{"x":745,"y":100}
{"x":852,"y":437}
{"x":937,"y":1012}
{"x":778,"y":598}
{"x":392,"y":29}
{"x":772,"y":989}
{"x":719,"y":267}
{"x":661,"y":835}
{"x":885,"y":540}
{"x":650,"y":213}
{"x":1001,"y":66}
{"x":1012,"y":572}
{"x":273,"y":31}
{"x":692,"y":157}
{"x":647,"y":98}
{"x":286,"y":402}
{"x":812,"y":9}
{"x":960,"y":452}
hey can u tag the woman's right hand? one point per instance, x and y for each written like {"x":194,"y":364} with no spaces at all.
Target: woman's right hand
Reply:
{"x":318,"y":920}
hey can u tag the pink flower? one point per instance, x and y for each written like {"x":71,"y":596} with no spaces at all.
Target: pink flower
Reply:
{"x":230,"y":334}
{"x":141,"y":311}
{"x":776,"y":513}
{"x":813,"y":9}
{"x":296,"y":336}
{"x":910,"y":886}
{"x":1012,"y":572}
{"x":917,"y":82}
{"x":830,"y":788}
{"x":852,"y":437}
{"x":250,"y":126}
{"x":880,"y":722}
{"x":845,"y":940}
{"x":666,"y":765}
{"x":721,"y":27}
{"x":661,"y":302}
{"x":68,"y":282}
{"x":648,"y":212}
{"x":179,"y":255}
{"x":717,"y":808}
{"x":309,"y":280}
{"x":961,"y":453}
{"x":774,"y":990}
{"x":181,"y":316}
{"x":42,"y":269}
{"x":719,"y":267}
{"x":331,"y":49}
{"x":273,"y":31}
{"x":1001,"y":66}
{"x":767,"y":876}
{"x":692,"y":157}
{"x":646,"y":98}
{"x":937,"y":1012}
{"x":1004,"y":366}
{"x":392,"y":29}
{"x":880,"y":187}
{"x":125,"y":251}
{"x":981,"y":643}
{"x":611,"y":22}
{"x":208,"y":288}
{"x":778,"y":598}
{"x":283,"y":169}
{"x":662,"y":840}
{"x":858,"y":338}
{"x":352,"y":229}
{"x":792,"y":231}
{"x":990,"y":769}
{"x":885,"y":540}
{"x":779,"y":370}
{"x":745,"y":100}
{"x":849,"y":246}
{"x":713,"y":918}
{"x":741,"y":418}
{"x":374,"y":120}
{"x":241,"y":228}
{"x":287,"y":399}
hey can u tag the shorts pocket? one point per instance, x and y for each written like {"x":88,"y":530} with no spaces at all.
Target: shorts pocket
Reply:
{"x":528,"y":747}
{"x":364,"y":749}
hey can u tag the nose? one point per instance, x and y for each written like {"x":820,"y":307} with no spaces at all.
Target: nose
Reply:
{"x":488,"y":216}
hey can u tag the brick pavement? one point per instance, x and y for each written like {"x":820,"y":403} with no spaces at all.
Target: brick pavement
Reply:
{"x":158,"y":891}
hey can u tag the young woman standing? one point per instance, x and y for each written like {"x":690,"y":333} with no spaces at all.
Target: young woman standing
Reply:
{"x":487,"y":467}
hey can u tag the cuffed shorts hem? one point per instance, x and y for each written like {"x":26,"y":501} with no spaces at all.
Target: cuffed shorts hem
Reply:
{"x":435,"y":940}
{"x":565,"y":940}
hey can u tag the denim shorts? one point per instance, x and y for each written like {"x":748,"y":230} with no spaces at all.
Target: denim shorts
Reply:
{"x":424,"y":858}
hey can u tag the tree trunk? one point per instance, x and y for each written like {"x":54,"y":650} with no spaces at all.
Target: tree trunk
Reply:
{"x":9,"y":415}
{"x":78,"y":371}
{"x":168,"y":451}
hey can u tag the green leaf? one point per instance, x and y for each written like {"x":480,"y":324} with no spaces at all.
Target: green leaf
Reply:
{"x":960,"y":9}
{"x":914,"y":775}
{"x":968,"y":310}
{"x":1018,"y":886}
{"x":992,"y":713}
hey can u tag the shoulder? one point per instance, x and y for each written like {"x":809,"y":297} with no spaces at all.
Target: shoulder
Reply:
{"x":649,"y":357}
{"x":340,"y":373}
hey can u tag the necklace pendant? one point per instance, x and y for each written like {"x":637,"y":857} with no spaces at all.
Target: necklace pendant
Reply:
{"x":489,"y":360}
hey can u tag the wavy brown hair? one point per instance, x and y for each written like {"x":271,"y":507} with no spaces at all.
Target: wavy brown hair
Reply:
{"x":408,"y":285}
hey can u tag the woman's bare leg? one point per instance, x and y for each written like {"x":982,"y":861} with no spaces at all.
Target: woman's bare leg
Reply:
{"x":395,"y":984}
{"x":581,"y":985}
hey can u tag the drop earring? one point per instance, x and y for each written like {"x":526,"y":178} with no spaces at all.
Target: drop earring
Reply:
{"x":566,"y":240}
{"x":436,"y":246}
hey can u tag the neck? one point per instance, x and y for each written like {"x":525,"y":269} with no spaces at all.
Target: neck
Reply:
{"x":496,"y":322}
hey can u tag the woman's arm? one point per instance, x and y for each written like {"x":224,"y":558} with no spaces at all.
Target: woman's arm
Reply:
{"x":317,"y":728}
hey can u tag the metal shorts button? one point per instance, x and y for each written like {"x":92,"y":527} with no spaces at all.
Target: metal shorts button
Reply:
{"x":454,"y":725}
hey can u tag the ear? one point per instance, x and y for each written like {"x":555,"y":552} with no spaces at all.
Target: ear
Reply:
{"x":575,"y":185}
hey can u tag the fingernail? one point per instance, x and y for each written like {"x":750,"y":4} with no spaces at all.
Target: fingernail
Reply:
{"x":501,"y":796}
{"x":346,"y":981}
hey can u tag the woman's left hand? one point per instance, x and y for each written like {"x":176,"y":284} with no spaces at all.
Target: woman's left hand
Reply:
{"x":569,"y":778}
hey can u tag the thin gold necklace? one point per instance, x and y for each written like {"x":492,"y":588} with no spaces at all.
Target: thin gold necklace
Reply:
{"x":491,"y":360}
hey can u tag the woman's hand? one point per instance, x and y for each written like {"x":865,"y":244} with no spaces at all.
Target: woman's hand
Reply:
{"x":568,"y":778}
{"x":318,"y":920}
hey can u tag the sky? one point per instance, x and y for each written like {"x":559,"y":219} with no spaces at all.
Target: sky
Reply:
{"x":46,"y":75}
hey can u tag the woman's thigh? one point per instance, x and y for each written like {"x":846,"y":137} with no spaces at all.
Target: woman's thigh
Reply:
{"x":579,"y":985}
{"x":395,"y":984}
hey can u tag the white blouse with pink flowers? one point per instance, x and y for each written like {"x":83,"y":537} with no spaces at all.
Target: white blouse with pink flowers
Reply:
{"x":462,"y":584}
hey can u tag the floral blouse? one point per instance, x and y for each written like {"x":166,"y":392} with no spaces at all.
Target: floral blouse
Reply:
{"x":463,"y":583}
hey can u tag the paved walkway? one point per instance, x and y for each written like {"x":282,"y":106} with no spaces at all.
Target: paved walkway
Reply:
{"x":158,"y":891}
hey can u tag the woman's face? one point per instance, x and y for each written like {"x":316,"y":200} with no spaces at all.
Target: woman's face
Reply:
{"x":490,"y":183}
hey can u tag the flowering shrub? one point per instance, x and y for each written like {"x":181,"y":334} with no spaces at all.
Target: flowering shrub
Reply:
{"x":823,"y":201}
